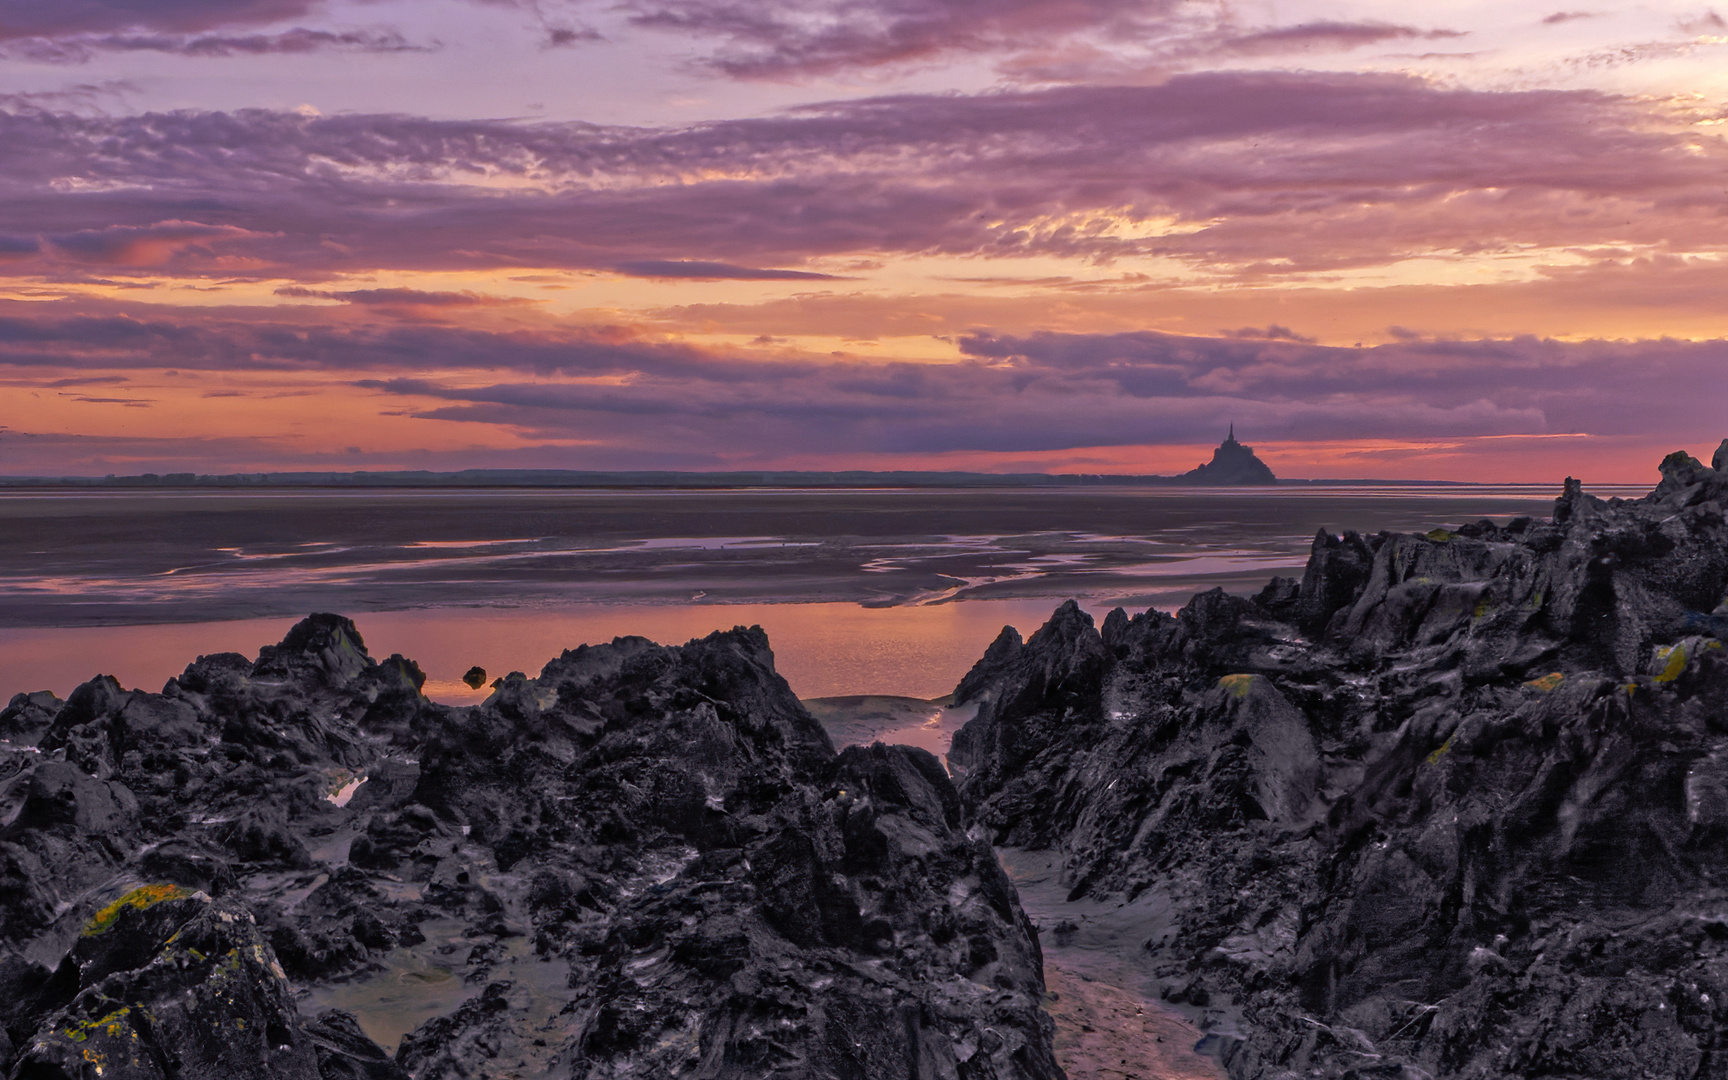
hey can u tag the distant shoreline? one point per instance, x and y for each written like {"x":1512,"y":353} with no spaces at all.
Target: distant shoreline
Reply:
{"x":559,"y":478}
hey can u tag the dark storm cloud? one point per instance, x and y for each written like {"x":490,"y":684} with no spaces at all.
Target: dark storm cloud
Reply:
{"x":1262,"y":174}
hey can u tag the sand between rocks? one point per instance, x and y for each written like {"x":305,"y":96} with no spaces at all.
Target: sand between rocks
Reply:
{"x":1104,"y":1032}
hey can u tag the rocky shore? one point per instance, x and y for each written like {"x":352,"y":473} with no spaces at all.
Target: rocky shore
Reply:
{"x":1451,"y":805}
{"x":646,"y":862}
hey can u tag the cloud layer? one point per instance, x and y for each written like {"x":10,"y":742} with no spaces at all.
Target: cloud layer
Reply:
{"x":632,"y":399}
{"x":1243,"y":175}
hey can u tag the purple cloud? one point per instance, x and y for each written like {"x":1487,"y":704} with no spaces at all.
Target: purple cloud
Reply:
{"x":779,"y":39}
{"x":1035,"y":393}
{"x":399,"y":297}
{"x":712,"y":271}
{"x":82,"y":48}
{"x":1273,"y":174}
{"x":1326,"y":35}
{"x":36,"y":18}
{"x":136,"y":245}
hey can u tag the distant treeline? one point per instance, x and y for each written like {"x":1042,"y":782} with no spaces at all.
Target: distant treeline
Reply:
{"x":564,"y":478}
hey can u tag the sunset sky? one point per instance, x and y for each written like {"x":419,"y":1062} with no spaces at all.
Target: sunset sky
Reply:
{"x":1486,"y":243}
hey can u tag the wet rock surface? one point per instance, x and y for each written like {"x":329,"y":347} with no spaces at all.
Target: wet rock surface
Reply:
{"x":1452,"y":805}
{"x":648,"y":861}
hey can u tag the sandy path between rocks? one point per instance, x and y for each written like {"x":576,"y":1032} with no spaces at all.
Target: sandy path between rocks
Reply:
{"x":1102,"y":992}
{"x":1104,"y":1032}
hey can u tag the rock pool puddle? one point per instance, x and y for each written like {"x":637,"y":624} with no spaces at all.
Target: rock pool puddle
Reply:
{"x":860,"y":720}
{"x":413,"y":984}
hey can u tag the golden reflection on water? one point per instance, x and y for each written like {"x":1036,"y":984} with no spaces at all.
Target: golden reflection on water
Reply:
{"x":823,"y":650}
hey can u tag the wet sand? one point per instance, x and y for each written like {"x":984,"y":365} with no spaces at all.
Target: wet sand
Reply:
{"x":93,"y":558}
{"x":1099,"y":985}
{"x":1103,"y":978}
{"x":1105,"y":1032}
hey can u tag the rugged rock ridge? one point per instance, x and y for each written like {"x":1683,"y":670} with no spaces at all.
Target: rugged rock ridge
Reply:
{"x":1453,"y":805}
{"x":647,"y":861}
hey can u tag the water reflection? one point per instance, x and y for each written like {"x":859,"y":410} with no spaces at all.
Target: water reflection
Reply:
{"x":823,"y":650}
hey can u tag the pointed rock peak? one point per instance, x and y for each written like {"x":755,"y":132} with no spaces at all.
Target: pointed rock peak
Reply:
{"x":1066,"y":623}
{"x":322,"y":630}
{"x":1067,"y":651}
{"x":321,"y":640}
{"x":1007,"y":642}
{"x":992,"y":665}
{"x":1719,"y":460}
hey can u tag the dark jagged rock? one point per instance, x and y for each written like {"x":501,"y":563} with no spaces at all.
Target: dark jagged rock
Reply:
{"x":345,"y":1053}
{"x":647,"y":861}
{"x":170,"y":985}
{"x":730,"y":897}
{"x":27,"y":717}
{"x":1454,"y":805}
{"x":1232,"y":465}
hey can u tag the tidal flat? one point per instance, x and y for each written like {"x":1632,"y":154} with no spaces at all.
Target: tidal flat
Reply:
{"x":890,"y":591}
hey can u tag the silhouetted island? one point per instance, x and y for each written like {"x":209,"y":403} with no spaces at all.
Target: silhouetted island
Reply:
{"x":1232,"y":465}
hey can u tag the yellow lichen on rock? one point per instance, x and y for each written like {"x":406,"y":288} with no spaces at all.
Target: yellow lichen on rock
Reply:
{"x":1547,"y":683}
{"x":112,"y":1024}
{"x":1439,"y":752}
{"x":1239,"y":685}
{"x":144,"y":896}
{"x":1676,"y":662}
